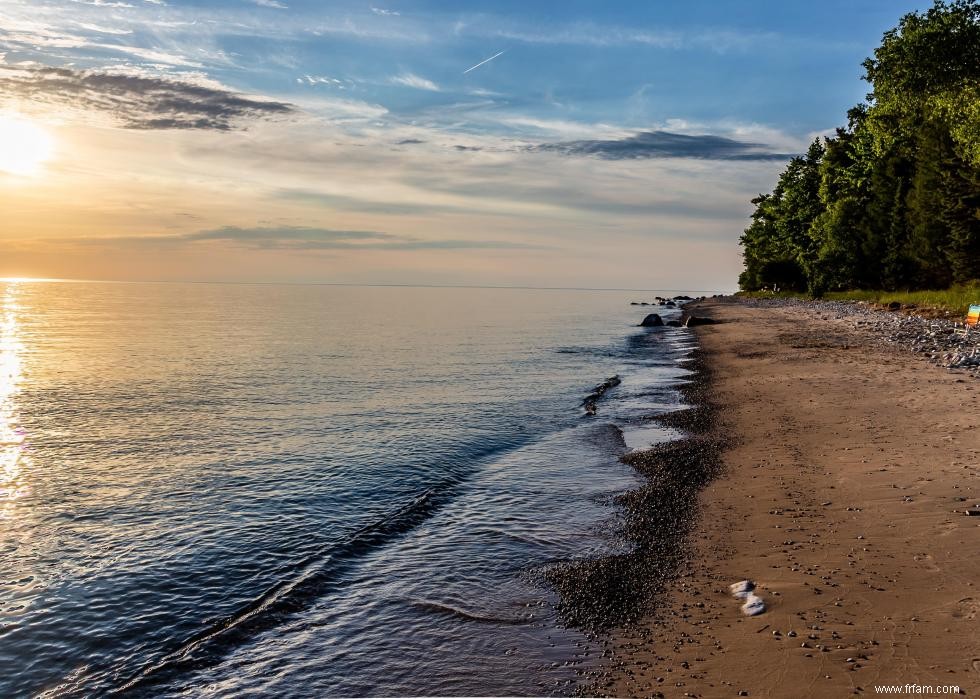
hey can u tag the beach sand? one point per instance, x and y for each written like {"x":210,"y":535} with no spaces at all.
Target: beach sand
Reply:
{"x":847,"y":470}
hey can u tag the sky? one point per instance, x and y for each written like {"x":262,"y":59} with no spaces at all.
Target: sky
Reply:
{"x":554,"y":144}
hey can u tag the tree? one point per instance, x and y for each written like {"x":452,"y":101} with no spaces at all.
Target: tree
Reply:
{"x":893,"y":199}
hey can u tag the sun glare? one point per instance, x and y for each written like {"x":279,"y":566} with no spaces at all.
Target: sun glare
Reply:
{"x":24,"y":146}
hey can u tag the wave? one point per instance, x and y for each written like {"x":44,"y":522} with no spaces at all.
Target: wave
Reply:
{"x":458,"y":613}
{"x":309,"y":579}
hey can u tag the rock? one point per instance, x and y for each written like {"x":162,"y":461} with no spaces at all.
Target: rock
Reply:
{"x":590,"y":400}
{"x":741,"y":589}
{"x":894,"y":306}
{"x":753,"y":605}
{"x":669,"y":304}
{"x":683,"y":298}
{"x":652,"y":321}
{"x":674,"y":324}
{"x":693,"y":321}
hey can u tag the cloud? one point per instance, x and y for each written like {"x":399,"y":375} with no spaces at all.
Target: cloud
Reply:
{"x":338,"y":110}
{"x":104,"y":30}
{"x":293,"y":236}
{"x":302,"y":238}
{"x":717,"y":40}
{"x":103,"y":3}
{"x":385,"y":13}
{"x":664,"y":144}
{"x":325,"y":80}
{"x":138,"y":101}
{"x":418,"y":82}
{"x":270,"y":3}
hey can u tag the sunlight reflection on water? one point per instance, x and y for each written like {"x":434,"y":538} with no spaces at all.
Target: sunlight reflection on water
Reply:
{"x":395,"y":465}
{"x":12,"y":437}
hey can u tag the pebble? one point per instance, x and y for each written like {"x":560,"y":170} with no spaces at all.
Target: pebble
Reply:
{"x":936,"y":339}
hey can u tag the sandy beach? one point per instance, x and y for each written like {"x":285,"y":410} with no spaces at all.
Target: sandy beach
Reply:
{"x":847,"y":469}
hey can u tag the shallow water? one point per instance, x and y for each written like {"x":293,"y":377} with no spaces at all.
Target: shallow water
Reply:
{"x":221,"y":489}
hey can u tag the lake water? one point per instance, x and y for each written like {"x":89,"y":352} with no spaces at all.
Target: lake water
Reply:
{"x":215,"y":490}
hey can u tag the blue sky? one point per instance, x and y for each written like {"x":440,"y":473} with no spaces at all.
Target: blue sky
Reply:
{"x":590,"y":134}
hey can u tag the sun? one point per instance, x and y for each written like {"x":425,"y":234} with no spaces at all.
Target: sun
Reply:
{"x":24,"y":146}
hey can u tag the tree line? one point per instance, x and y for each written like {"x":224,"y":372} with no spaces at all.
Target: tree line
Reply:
{"x":892,"y":200}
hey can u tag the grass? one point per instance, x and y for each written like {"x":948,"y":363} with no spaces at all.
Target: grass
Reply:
{"x":955,"y":299}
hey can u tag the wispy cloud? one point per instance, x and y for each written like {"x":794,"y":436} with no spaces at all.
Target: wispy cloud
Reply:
{"x":301,"y":238}
{"x":104,"y":30}
{"x":714,"y":40}
{"x":103,"y":3}
{"x":663,"y":144}
{"x":138,"y":102}
{"x":385,"y":13}
{"x":270,"y":3}
{"x":291,"y":237}
{"x":415,"y":81}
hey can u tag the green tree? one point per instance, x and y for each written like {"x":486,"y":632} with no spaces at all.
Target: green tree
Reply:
{"x":893,"y":199}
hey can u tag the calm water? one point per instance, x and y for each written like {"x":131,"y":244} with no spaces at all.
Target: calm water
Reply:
{"x":292,"y":490}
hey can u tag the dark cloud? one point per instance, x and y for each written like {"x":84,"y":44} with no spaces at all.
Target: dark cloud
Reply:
{"x":409,"y":142}
{"x":138,"y":102}
{"x":663,"y":144}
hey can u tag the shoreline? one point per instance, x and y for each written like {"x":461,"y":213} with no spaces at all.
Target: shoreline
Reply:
{"x":619,"y":590}
{"x":841,"y":493}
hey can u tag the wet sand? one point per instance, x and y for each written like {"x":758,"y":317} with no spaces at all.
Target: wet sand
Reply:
{"x":844,"y":473}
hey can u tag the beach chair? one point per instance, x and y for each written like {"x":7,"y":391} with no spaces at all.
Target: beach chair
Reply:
{"x":973,"y":317}
{"x":972,"y":321}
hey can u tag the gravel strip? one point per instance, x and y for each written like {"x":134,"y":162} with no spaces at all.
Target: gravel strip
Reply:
{"x":618,"y":590}
{"x":940,"y":340}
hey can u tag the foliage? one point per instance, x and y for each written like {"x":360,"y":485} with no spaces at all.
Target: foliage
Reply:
{"x":892,"y":200}
{"x":956,"y":299}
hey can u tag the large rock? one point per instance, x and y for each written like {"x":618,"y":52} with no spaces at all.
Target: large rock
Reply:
{"x":693,"y":321}
{"x":652,"y":321}
{"x":673,"y":324}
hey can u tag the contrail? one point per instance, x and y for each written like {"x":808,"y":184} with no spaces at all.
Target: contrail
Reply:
{"x":486,"y":61}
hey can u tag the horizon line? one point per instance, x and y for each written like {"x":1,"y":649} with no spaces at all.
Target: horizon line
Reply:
{"x":19,"y":280}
